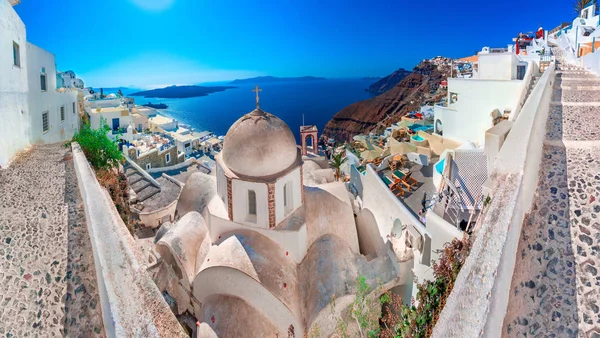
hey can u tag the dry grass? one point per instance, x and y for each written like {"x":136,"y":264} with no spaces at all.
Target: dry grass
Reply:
{"x":115,"y":182}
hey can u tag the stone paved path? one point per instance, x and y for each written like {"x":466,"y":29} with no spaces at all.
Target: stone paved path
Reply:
{"x":47,"y":274}
{"x":555,"y":290}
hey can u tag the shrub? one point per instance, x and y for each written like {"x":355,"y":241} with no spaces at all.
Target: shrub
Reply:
{"x":102,"y":152}
{"x":418,"y":320}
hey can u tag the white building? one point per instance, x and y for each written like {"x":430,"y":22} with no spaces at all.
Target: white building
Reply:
{"x":14,"y":129}
{"x":33,"y":110}
{"x":68,"y":79}
{"x":159,"y":122}
{"x":53,"y":112}
{"x":496,"y":90}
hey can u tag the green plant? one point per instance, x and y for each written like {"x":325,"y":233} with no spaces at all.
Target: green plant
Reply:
{"x":364,"y":310}
{"x":337,"y":160}
{"x":102,"y":152}
{"x":418,"y":319}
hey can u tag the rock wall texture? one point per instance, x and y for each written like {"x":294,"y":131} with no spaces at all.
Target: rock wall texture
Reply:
{"x":421,"y":86}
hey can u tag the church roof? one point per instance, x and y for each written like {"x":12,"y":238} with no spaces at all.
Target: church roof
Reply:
{"x":259,"y":144}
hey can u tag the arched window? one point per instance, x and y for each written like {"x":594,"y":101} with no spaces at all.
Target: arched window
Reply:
{"x":251,"y":203}
{"x":287,"y":198}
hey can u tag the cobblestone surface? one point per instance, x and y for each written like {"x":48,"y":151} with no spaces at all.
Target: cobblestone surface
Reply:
{"x":47,"y":274}
{"x":573,"y":123}
{"x":555,"y":289}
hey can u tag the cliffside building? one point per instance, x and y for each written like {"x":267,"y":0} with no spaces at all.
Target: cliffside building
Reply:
{"x":34,"y":108}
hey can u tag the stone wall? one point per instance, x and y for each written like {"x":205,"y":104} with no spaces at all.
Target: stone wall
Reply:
{"x":132,"y":305}
{"x":156,"y":158}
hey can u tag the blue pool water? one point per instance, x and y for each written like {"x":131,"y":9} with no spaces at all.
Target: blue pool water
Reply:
{"x":417,"y":138}
{"x":440,"y":166}
{"x":417,"y":127}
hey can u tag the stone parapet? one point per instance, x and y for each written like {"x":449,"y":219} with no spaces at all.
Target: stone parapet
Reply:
{"x":478,"y":303}
{"x":132,"y":305}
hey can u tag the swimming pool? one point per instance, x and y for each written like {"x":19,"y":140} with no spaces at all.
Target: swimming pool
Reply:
{"x":417,"y":127}
{"x":418,"y":138}
{"x":440,"y":166}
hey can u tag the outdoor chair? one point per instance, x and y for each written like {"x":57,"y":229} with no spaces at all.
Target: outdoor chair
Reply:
{"x":393,"y":186}
{"x":405,"y":179}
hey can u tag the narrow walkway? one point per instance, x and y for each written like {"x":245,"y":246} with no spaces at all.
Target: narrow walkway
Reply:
{"x":47,"y":273}
{"x":555,"y":289}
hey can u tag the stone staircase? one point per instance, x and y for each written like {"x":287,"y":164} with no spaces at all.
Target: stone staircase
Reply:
{"x":141,"y":186}
{"x":556,"y":284}
{"x":534,"y":80}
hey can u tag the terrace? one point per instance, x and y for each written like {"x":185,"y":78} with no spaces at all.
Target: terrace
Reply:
{"x":421,"y":190}
{"x":148,"y":143}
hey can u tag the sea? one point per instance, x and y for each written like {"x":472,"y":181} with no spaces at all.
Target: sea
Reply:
{"x":314,"y":102}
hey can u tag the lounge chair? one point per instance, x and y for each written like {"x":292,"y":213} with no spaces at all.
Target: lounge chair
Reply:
{"x":393,"y":186}
{"x":405,"y":179}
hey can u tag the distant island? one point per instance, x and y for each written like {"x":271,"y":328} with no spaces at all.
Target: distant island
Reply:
{"x":156,"y":105}
{"x":371,"y":78}
{"x":270,"y":79}
{"x":181,"y":92}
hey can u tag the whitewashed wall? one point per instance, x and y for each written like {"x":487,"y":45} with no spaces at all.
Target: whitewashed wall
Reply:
{"x":294,"y":179}
{"x":95,"y":118}
{"x":469,"y":117}
{"x":497,"y":66}
{"x":49,"y":100}
{"x":14,"y":110}
{"x":239,"y":191}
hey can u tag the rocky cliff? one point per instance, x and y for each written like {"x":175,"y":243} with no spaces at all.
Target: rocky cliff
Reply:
{"x":386,"y":83}
{"x":420,"y":87}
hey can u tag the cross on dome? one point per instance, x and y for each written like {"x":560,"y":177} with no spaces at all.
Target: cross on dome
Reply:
{"x":257,"y":90}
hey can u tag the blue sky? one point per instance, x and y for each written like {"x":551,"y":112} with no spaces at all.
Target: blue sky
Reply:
{"x":148,"y":43}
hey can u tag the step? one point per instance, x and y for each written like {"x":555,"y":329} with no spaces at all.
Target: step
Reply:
{"x":135,"y":178}
{"x":573,"y":124}
{"x":580,"y":87}
{"x":578,"y":96}
{"x":140,"y":185}
{"x":147,"y":193}
{"x":129,"y":171}
{"x":576,"y":76}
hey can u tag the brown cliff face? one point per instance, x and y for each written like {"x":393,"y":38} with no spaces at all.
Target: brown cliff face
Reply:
{"x":420,"y":87}
{"x":388,"y":82}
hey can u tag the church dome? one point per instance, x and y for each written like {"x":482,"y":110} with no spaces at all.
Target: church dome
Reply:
{"x":259,"y":144}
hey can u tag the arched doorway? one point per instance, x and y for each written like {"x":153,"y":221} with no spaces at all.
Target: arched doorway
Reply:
{"x":438,"y":127}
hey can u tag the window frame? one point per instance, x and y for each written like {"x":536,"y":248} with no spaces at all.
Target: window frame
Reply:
{"x":16,"y":54}
{"x":44,"y":83}
{"x":167,"y":158}
{"x":148,"y":166}
{"x":62,"y":113}
{"x":251,"y":214}
{"x":74,"y":108}
{"x":46,"y":125}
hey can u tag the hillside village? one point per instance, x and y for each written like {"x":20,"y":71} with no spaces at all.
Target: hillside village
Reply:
{"x":470,"y":184}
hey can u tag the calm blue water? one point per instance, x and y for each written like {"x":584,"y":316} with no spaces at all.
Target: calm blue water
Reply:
{"x":318,"y":101}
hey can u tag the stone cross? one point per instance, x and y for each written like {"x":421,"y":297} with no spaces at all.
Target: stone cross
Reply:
{"x":257,"y":90}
